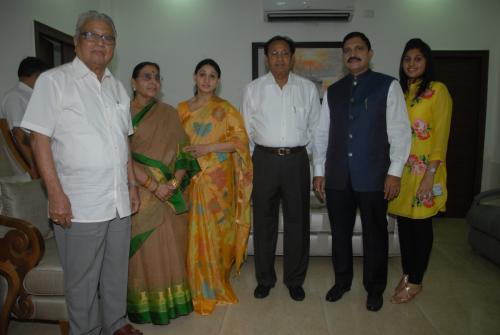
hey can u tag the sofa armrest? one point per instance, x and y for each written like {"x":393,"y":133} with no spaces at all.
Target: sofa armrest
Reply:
{"x":486,"y":194}
{"x":21,"y":248}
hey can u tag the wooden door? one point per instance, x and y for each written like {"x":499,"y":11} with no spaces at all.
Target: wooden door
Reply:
{"x":53,"y":46}
{"x":465,"y":73}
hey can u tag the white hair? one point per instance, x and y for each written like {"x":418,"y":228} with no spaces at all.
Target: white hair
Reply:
{"x":93,"y":15}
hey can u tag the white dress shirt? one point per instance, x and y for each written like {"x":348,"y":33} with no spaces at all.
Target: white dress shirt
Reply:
{"x":280,"y":117}
{"x":88,"y":122}
{"x":397,"y":132}
{"x":14,"y":104}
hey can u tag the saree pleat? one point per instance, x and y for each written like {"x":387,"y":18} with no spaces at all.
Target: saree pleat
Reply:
{"x":158,"y":289}
{"x":219,"y":215}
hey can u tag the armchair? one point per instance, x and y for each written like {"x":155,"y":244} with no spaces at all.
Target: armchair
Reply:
{"x":484,"y":221}
{"x":21,"y":248}
{"x":31,"y":277}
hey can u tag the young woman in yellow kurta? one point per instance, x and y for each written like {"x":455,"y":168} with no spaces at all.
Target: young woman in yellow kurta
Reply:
{"x":423,"y":183}
{"x":219,"y":216}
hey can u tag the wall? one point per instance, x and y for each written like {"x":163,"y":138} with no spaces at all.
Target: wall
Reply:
{"x":179,"y":33}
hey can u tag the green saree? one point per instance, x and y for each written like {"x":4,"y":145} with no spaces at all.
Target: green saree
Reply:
{"x":157,"y":288}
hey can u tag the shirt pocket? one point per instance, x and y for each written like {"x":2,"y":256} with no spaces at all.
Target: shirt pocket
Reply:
{"x":300,"y":117}
{"x":73,"y":120}
{"x":122,"y":118}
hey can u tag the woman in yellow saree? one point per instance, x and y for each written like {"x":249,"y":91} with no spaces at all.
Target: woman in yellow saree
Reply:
{"x":157,"y":288}
{"x":219,"y":215}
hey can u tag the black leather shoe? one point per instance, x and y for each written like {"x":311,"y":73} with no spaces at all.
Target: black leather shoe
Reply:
{"x":261,"y":291}
{"x":297,"y":293}
{"x":374,"y":302}
{"x":336,"y":292}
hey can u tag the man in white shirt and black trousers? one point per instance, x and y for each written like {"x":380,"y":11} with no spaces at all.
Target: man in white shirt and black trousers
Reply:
{"x":281,"y":110}
{"x":360,"y":148}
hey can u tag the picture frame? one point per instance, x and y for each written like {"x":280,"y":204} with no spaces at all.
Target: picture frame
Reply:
{"x":320,"y":62}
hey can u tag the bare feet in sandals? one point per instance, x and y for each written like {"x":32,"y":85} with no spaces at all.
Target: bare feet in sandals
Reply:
{"x":406,"y":294}
{"x":402,"y":283}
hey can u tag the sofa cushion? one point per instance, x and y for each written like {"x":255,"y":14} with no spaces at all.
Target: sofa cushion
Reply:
{"x":13,"y":179}
{"x":8,"y":164}
{"x":484,"y":218}
{"x":26,"y":200}
{"x":47,"y":277}
{"x":316,"y":203}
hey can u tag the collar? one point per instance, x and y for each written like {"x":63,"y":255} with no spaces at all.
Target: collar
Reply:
{"x":416,"y":83}
{"x":81,"y":70}
{"x":361,"y":76}
{"x":23,"y":87}
{"x":269,"y":79}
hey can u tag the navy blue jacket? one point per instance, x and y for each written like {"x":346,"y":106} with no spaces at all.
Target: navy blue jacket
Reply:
{"x":358,"y":147}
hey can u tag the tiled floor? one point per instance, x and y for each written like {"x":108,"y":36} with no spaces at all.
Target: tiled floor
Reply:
{"x":461,"y":296}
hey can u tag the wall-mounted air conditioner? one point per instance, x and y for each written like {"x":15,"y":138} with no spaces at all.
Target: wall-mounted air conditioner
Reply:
{"x":308,"y":10}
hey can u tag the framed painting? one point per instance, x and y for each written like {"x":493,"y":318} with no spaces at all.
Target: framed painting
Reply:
{"x":320,"y":62}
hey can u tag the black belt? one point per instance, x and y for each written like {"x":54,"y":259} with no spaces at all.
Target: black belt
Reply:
{"x":280,"y":151}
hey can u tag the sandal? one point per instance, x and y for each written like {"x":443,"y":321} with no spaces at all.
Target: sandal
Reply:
{"x":128,"y":330}
{"x":405,"y":295}
{"x":402,"y":283}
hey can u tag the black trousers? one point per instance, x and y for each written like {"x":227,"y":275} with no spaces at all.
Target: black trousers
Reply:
{"x":284,"y":179}
{"x":415,"y":240}
{"x":342,"y":206}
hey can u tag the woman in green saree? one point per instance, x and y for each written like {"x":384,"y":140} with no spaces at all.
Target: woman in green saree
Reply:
{"x":157,"y":286}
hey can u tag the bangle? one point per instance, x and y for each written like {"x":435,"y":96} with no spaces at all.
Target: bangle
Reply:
{"x":154,"y":190}
{"x":147,"y":182}
{"x":432,"y":169}
{"x":174,"y":182}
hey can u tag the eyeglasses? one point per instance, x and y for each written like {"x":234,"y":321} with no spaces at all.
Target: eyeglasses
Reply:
{"x":95,"y":37}
{"x":279,"y":53}
{"x":151,"y":76}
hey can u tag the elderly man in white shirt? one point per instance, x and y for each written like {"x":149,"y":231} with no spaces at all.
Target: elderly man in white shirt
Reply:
{"x":80,"y":122}
{"x":14,"y":105}
{"x":281,"y":110}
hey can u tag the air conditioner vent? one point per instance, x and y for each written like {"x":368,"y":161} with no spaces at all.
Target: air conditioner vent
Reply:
{"x":308,"y":10}
{"x":308,"y":16}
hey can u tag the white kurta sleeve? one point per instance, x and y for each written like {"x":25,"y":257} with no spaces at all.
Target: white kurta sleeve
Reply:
{"x":398,"y":129}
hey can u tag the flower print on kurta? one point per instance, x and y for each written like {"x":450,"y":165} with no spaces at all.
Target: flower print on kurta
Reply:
{"x":430,"y":119}
{"x":420,"y":129}
{"x":219,"y":217}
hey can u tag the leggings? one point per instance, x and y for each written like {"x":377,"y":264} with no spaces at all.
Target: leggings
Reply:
{"x":415,"y":239}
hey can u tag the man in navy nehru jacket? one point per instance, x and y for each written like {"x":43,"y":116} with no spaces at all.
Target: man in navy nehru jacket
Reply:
{"x":361,"y":146}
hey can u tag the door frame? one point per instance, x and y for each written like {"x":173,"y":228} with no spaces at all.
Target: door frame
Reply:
{"x":43,"y":30}
{"x":483,"y":57}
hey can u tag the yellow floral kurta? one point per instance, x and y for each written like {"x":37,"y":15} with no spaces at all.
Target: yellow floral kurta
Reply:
{"x":219,"y":216}
{"x":430,"y":118}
